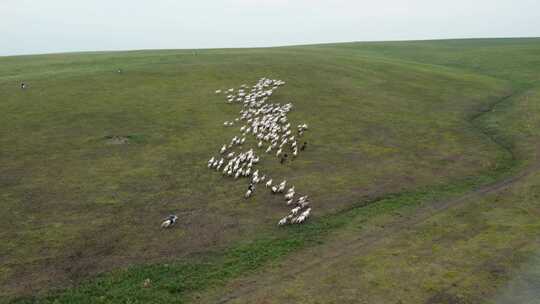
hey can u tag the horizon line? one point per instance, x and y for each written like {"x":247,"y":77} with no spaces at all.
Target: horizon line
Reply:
{"x":261,"y":47}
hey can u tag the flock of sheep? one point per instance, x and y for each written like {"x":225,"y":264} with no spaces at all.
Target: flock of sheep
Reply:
{"x":268,"y":123}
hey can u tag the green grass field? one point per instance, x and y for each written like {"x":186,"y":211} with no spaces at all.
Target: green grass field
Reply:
{"x":422,"y":167}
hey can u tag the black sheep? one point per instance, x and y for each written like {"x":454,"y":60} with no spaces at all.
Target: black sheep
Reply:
{"x":283,"y":158}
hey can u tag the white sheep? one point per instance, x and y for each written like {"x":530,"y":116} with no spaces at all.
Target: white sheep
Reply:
{"x":282,"y":186}
{"x":269,"y":124}
{"x":303,"y":199}
{"x":298,"y":220}
{"x":289,"y":195}
{"x":306,"y":213}
{"x":303,"y":204}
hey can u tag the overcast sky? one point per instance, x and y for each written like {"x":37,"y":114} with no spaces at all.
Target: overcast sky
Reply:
{"x":45,"y":26}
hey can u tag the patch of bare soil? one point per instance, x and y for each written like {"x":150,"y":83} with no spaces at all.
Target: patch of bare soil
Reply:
{"x":116,"y":140}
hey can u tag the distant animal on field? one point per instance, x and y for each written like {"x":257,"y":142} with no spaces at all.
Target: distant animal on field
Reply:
{"x":169,"y":221}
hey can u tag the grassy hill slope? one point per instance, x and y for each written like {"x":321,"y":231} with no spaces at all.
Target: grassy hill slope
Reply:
{"x":397,"y":123}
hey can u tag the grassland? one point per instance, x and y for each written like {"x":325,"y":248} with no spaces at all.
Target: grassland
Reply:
{"x":399,"y":132}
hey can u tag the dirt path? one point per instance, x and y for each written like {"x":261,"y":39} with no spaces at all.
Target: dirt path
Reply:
{"x":370,"y":239}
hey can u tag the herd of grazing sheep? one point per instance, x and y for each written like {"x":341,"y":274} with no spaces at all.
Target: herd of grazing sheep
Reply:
{"x":269,"y":124}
